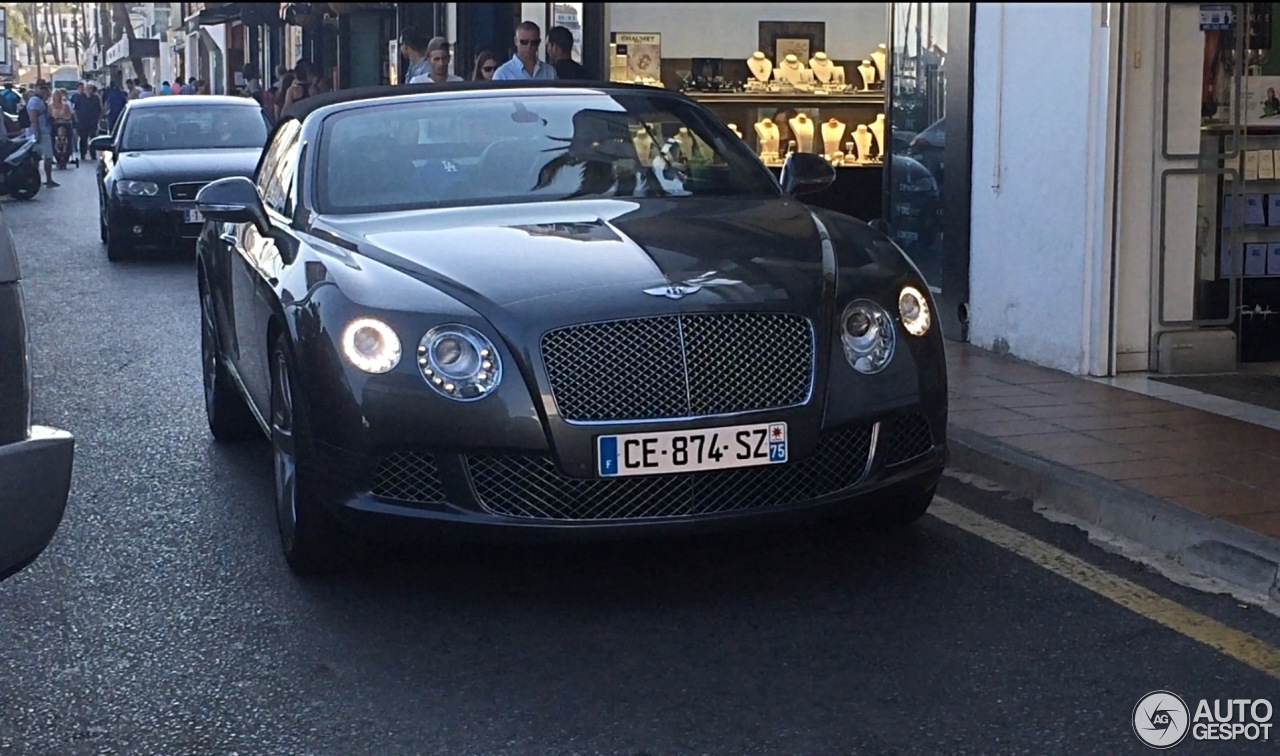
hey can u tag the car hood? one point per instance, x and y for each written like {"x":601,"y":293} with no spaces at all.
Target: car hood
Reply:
{"x":604,"y":258}
{"x":187,"y":165}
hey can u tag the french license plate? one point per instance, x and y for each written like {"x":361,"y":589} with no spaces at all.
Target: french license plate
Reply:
{"x":194,"y":216}
{"x":687,"y":451}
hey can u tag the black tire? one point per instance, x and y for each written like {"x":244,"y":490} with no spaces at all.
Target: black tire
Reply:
{"x":228,"y":413}
{"x":102,"y":223}
{"x":25,"y":182}
{"x":119,"y":247}
{"x":312,"y":540}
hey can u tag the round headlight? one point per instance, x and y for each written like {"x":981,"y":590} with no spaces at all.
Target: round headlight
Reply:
{"x":867,"y":334}
{"x":371,"y":345}
{"x":459,"y":362}
{"x":914,"y":310}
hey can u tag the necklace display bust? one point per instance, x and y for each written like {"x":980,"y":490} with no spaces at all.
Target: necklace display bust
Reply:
{"x":760,"y":66}
{"x":644,"y":144}
{"x":877,"y":130}
{"x":822,"y":67}
{"x":791,"y":71}
{"x":868,"y":73}
{"x":767,"y":131}
{"x":862,"y":139}
{"x":802,"y":130}
{"x":734,"y":128}
{"x":878,"y":57}
{"x":685,"y":140}
{"x":832,"y":133}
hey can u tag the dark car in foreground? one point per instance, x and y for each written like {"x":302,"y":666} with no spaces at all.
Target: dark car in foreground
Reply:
{"x":484,"y":310}
{"x":163,"y":151}
{"x":35,"y":462}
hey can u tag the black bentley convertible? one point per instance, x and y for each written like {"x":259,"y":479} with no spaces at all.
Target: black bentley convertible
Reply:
{"x":163,"y":151}
{"x":498,"y":309}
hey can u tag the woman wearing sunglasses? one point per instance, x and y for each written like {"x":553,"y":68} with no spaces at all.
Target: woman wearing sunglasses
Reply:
{"x":486,"y":64}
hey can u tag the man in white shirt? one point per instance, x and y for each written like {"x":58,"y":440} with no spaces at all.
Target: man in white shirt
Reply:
{"x":438,"y":58}
{"x":526,"y":66}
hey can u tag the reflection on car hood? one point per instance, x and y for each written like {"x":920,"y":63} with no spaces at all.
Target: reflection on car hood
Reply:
{"x":187,"y":165}
{"x":604,"y":256}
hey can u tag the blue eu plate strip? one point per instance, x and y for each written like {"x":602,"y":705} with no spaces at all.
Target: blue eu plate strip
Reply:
{"x":608,"y":455}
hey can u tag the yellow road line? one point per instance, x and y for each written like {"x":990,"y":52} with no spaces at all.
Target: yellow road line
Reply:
{"x":1238,"y":645}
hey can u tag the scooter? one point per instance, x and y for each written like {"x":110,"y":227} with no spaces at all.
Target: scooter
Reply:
{"x":19,"y":167}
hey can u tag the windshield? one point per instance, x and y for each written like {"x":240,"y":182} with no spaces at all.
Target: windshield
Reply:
{"x":199,"y":127}
{"x":522,"y":148}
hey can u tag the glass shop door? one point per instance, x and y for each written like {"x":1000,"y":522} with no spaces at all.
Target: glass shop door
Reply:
{"x":927,"y":167}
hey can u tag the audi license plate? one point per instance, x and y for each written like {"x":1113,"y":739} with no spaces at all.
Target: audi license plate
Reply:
{"x":194,"y":216}
{"x":687,"y":451}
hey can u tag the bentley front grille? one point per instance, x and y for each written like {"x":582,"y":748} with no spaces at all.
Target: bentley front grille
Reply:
{"x":408,"y":477}
{"x":533,"y":487}
{"x":904,"y":438}
{"x":185,"y":192}
{"x":676,"y":366}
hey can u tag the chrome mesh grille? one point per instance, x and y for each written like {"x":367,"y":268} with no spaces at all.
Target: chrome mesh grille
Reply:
{"x":532,"y":487}
{"x":904,"y":438}
{"x":408,"y":477}
{"x":185,"y":192}
{"x":679,"y":366}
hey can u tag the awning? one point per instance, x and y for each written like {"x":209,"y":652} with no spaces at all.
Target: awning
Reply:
{"x":127,"y":48}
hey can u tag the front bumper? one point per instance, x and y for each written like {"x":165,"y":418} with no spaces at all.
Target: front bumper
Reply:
{"x":35,"y":480}
{"x":153,"y":221}
{"x":520,"y":496}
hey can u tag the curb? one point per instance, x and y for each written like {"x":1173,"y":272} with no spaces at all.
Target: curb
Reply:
{"x":1161,"y":533}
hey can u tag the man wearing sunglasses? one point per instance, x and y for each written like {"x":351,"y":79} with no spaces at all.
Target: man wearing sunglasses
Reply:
{"x":525,"y":66}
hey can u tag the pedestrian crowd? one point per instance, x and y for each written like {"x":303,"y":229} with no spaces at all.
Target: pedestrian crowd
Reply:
{"x":64,"y":123}
{"x":429,"y":58}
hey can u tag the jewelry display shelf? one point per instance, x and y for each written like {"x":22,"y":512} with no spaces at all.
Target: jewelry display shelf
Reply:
{"x":764,"y":99}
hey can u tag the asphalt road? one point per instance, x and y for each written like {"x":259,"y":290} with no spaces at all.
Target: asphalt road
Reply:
{"x":163,"y":620}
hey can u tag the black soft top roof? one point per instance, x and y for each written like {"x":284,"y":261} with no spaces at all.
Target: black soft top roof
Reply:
{"x":305,"y":107}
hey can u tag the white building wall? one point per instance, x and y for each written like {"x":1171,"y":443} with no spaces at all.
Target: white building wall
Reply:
{"x":1040,"y":235}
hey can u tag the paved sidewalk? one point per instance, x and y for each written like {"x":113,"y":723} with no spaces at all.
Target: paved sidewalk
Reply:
{"x":1161,"y":481}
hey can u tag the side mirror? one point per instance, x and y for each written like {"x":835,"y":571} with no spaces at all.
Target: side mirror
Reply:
{"x":233,"y":200}
{"x":102,"y":143}
{"x":806,"y":172}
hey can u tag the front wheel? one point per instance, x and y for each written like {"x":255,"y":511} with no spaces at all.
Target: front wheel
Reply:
{"x":309,"y":535}
{"x":119,"y":247}
{"x":226,"y":409}
{"x":24,"y":183}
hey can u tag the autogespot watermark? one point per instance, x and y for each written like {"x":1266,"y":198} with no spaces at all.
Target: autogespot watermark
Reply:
{"x":1163,"y":720}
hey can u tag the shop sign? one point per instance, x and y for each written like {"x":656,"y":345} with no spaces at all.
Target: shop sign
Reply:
{"x":1217,"y":17}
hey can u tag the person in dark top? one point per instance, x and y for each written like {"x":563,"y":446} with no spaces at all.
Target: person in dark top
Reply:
{"x":560,"y":54}
{"x":88,"y":116}
{"x":115,"y":100}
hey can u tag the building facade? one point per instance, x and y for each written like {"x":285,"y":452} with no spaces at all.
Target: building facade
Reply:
{"x":1121,"y":204}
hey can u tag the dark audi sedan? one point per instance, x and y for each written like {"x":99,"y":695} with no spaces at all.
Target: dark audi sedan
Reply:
{"x":551,"y":310}
{"x":163,"y":151}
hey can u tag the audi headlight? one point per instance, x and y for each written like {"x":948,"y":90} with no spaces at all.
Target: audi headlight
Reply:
{"x":867,"y":333}
{"x":138,"y":188}
{"x":914,"y":310}
{"x":371,"y":345}
{"x":459,"y":362}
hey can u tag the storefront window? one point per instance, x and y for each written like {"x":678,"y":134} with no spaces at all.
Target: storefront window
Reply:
{"x":793,"y":77}
{"x":919,"y":134}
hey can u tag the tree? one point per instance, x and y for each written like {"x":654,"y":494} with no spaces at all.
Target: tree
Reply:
{"x":18,"y":29}
{"x":123,"y":27}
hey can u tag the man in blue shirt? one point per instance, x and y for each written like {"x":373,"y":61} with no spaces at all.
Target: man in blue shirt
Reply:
{"x":525,"y":66}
